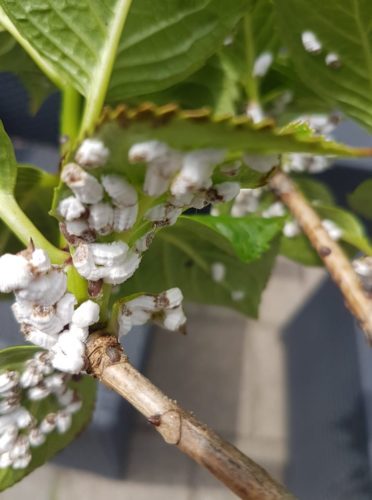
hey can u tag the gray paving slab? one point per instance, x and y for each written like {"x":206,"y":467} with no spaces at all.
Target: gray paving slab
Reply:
{"x":42,"y":484}
{"x":203,"y":369}
{"x":155,"y":470}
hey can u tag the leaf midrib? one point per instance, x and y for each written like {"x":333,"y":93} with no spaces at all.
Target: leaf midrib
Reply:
{"x":100,"y":77}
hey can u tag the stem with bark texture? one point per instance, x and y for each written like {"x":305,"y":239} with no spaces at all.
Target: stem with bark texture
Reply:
{"x":108,"y":363}
{"x":338,"y":265}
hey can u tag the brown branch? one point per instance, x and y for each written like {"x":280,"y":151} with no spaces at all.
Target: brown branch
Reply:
{"x":245,"y":478}
{"x":338,"y":265}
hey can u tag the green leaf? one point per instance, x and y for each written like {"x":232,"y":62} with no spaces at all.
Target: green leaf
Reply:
{"x":73,"y":38}
{"x":250,"y":236}
{"x":161,"y":44}
{"x":353,"y":237}
{"x":77,"y":42}
{"x":222,"y":82}
{"x":360,"y":199}
{"x":8,"y":165}
{"x":285,"y":84}
{"x":119,"y":129}
{"x":299,"y":250}
{"x":13,"y":358}
{"x":246,"y":176}
{"x":15,"y":60}
{"x":122,"y":127}
{"x":353,"y":231}
{"x":214,"y":85}
{"x":183,"y":255}
{"x":34,"y":193}
{"x":342,"y":27}
{"x":314,"y":190}
{"x":255,"y":35}
{"x":166,"y":41}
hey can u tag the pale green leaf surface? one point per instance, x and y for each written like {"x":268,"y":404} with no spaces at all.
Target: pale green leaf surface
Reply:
{"x":353,"y":231}
{"x":13,"y":358}
{"x":342,"y":27}
{"x":299,"y":250}
{"x":183,"y":256}
{"x":360,"y":200}
{"x":314,"y":190}
{"x":353,"y":236}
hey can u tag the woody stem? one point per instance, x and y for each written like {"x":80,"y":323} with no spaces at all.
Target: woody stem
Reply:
{"x":245,"y":478}
{"x":329,"y":251}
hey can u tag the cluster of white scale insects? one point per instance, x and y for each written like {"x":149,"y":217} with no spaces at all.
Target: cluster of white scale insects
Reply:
{"x":248,"y":200}
{"x":97,"y":206}
{"x":20,"y":431}
{"x":101,"y":205}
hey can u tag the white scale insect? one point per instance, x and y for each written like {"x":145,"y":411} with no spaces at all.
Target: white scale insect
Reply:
{"x":291,"y":229}
{"x":218,"y":271}
{"x":118,"y":264}
{"x":277,"y":209}
{"x":261,"y":163}
{"x":85,"y":186}
{"x":166,"y":308}
{"x":254,"y":112}
{"x":311,"y":43}
{"x":101,"y":218}
{"x":71,"y":208}
{"x":363,"y":268}
{"x":333,"y":60}
{"x":246,"y":202}
{"x":162,"y":163}
{"x":262,"y":64}
{"x":237,"y":295}
{"x":197,"y":168}
{"x":333,"y":230}
{"x":92,"y":153}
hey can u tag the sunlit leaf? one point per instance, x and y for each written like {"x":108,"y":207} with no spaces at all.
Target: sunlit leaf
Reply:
{"x":161,"y":43}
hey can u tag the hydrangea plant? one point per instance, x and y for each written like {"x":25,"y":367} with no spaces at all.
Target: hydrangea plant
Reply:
{"x":189,"y":133}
